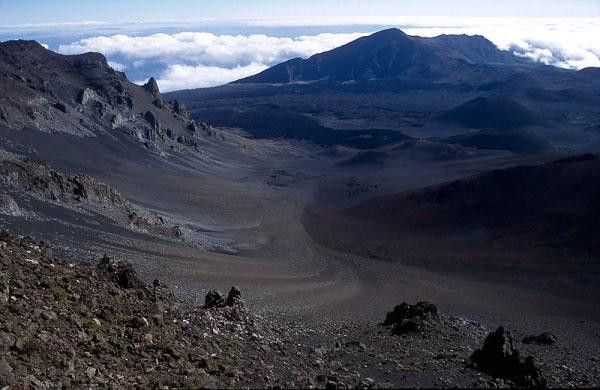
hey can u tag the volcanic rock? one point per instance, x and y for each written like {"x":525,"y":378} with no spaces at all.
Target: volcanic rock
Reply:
{"x":8,"y":206}
{"x":545,"y":338}
{"x":407,"y":318}
{"x":234,"y":297}
{"x":152,"y":87}
{"x":499,"y":358}
{"x":61,"y":107}
{"x":180,"y":109}
{"x":85,"y":96}
{"x":116,"y":120}
{"x":158,"y":103}
{"x":121,"y":273}
{"x":214,"y":298}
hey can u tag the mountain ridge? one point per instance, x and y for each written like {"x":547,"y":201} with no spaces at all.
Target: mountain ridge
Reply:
{"x":387,"y":54}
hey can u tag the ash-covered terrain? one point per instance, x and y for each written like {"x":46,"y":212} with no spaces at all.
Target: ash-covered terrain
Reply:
{"x":397,"y":212}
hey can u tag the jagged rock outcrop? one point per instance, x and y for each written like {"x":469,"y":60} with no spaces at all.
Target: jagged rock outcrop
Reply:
{"x":406,"y":318}
{"x":85,"y":96}
{"x":38,"y":180}
{"x":152,"y":87}
{"x":203,"y":127}
{"x":41,"y":180}
{"x":499,"y":358}
{"x":82,"y":95}
{"x":8,"y":206}
{"x":180,"y":109}
{"x":116,"y":121}
{"x":155,"y":127}
{"x":215,"y":298}
{"x":185,"y":140}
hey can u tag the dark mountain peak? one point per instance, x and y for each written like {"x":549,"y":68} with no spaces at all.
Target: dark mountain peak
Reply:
{"x":23,"y":52}
{"x":388,"y":33}
{"x":152,"y":87}
{"x":389,"y":54}
{"x":21,"y":44}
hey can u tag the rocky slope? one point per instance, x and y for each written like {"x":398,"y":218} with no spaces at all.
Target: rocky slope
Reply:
{"x":63,"y":324}
{"x":83,"y":96}
{"x":26,"y":178}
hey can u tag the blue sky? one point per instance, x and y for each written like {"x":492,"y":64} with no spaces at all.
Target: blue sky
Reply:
{"x":116,"y":11}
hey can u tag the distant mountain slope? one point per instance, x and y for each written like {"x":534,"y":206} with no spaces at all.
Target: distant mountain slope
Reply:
{"x":514,"y":140}
{"x":82,"y":95}
{"x":487,"y":112}
{"x":426,"y":88}
{"x":273,"y":122}
{"x":387,"y":54}
{"x":556,"y":202}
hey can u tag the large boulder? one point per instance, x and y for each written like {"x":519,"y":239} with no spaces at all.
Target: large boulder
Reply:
{"x":215,"y":298}
{"x":234,"y":297}
{"x":406,"y":318}
{"x":499,"y":358}
{"x":121,"y":273}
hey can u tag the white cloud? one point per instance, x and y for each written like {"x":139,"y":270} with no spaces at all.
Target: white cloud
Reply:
{"x":178,"y":77}
{"x":200,"y":59}
{"x":564,"y":42}
{"x":117,"y":66}
{"x":208,"y":49}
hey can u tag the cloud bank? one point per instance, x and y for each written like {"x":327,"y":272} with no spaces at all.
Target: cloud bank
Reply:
{"x":200,"y":59}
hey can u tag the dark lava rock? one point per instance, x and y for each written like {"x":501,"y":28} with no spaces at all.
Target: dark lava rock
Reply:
{"x":160,"y":103}
{"x":234,"y":297}
{"x":405,"y":311}
{"x":61,"y":107}
{"x":152,"y":87}
{"x":499,"y":358}
{"x":214,"y":298}
{"x":407,"y":318}
{"x":545,"y":338}
{"x":121,"y":273}
{"x":152,"y":120}
{"x":180,"y":109}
